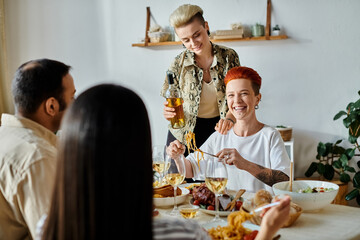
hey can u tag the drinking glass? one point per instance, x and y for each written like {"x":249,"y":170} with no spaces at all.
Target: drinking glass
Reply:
{"x":158,"y":161}
{"x":216,"y":178}
{"x":175,"y":175}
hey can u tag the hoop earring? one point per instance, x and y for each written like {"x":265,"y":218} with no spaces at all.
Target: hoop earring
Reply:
{"x":256,"y":106}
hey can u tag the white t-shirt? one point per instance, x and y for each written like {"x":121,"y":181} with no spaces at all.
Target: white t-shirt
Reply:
{"x":265,"y":148}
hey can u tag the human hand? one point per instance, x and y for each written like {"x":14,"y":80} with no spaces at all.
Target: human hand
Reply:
{"x":232,"y":157}
{"x":175,"y":149}
{"x":168,"y":112}
{"x":223,"y":126}
{"x":274,"y":218}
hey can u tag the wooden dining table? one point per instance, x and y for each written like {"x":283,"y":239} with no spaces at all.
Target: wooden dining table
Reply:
{"x":333,"y":222}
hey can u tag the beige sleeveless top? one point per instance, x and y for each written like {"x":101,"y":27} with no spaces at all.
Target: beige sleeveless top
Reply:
{"x":208,"y":107}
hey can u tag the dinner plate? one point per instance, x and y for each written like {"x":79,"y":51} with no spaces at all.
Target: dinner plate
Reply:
{"x":169,"y":201}
{"x":213,"y":212}
{"x":246,"y":224}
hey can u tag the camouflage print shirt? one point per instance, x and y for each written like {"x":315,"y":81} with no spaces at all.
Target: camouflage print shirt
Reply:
{"x":190,"y":83}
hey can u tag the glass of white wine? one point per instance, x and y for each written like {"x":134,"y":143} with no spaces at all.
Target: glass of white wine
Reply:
{"x":158,"y":161}
{"x":175,"y":175}
{"x":216,"y":178}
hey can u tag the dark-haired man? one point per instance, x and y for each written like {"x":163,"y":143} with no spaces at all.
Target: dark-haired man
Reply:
{"x":42,"y":90}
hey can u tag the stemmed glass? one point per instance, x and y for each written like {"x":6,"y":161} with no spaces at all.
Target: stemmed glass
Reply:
{"x":216,"y":178}
{"x":158,"y":159}
{"x":175,"y":175}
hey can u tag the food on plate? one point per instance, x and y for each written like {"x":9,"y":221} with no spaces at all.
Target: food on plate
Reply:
{"x":205,"y":198}
{"x":203,"y":195}
{"x":191,"y":187}
{"x":191,"y":145}
{"x":234,"y":229}
{"x":315,"y":190}
{"x":263,"y":197}
{"x":165,"y":191}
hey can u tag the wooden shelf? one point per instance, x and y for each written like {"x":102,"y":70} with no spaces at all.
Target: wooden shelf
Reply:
{"x":213,"y":40}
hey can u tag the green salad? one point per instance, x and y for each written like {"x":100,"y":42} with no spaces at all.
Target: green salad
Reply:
{"x":315,"y":190}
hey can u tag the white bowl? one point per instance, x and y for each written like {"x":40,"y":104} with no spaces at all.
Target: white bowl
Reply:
{"x":308,"y":201}
{"x":169,"y":201}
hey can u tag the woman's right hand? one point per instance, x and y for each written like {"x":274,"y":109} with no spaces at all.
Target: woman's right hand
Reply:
{"x":175,"y":149}
{"x":273,"y":219}
{"x":169,"y":112}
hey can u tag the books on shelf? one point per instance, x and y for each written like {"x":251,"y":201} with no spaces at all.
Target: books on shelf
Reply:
{"x":228,"y":34}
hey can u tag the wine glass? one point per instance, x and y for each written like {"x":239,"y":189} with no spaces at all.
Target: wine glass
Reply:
{"x":175,"y":175}
{"x":158,"y":161}
{"x":216,"y":178}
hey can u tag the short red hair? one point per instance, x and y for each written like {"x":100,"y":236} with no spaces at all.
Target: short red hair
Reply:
{"x":246,"y":73}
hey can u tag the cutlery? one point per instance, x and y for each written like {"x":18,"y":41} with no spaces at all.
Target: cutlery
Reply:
{"x":231,"y":205}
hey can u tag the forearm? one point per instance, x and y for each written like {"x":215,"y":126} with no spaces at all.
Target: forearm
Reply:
{"x":266,"y":175}
{"x":189,"y":170}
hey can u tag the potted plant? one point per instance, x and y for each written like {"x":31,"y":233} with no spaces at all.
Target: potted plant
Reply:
{"x":333,"y":159}
{"x":276,"y":30}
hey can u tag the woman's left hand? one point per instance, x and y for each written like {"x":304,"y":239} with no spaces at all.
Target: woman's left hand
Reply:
{"x":223,"y":126}
{"x":232,"y":157}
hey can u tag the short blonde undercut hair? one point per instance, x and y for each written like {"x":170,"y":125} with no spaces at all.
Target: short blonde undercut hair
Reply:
{"x":186,"y":14}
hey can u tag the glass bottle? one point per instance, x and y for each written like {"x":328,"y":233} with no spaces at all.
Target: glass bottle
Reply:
{"x":174,"y":99}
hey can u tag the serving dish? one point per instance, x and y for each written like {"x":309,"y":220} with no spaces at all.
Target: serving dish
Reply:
{"x":308,"y":201}
{"x":169,"y":201}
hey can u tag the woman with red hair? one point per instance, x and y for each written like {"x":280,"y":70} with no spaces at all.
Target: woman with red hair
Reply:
{"x":255,"y":152}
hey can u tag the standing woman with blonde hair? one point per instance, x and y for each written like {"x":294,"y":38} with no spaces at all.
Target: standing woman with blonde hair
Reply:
{"x":199,"y":75}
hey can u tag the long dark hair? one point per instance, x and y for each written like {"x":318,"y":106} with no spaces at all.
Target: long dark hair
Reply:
{"x":103,"y":186}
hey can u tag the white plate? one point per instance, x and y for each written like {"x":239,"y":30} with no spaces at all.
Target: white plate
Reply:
{"x":213,"y":212}
{"x":169,"y":201}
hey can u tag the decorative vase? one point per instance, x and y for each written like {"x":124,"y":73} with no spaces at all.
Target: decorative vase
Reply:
{"x":258,"y":30}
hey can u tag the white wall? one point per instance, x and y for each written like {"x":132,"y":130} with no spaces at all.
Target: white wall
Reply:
{"x":307,"y":79}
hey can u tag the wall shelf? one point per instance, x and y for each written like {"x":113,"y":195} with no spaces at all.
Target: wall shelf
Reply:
{"x":263,"y":38}
{"x":267,"y":36}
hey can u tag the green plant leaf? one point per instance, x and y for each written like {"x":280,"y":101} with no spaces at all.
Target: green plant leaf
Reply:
{"x":358,"y":199}
{"x":329,"y":172}
{"x":352,"y":139}
{"x":312,"y":168}
{"x":350,"y":152}
{"x":358,"y":164}
{"x":359,"y":92}
{"x":351,"y":195}
{"x":320,"y":168}
{"x":356,"y":180}
{"x":338,"y":149}
{"x":347,"y":122}
{"x":344,"y":177}
{"x":338,"y":141}
{"x":339,"y":115}
{"x":321,"y":149}
{"x":350,"y":106}
{"x":337,"y":164}
{"x":357,"y":104}
{"x":344,"y":160}
{"x":329,"y":148}
{"x":349,"y":169}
